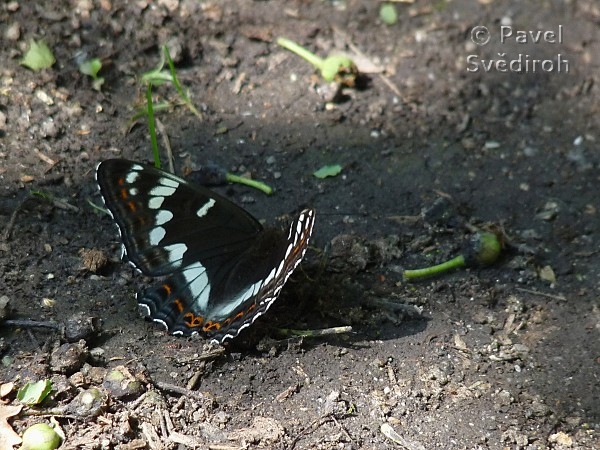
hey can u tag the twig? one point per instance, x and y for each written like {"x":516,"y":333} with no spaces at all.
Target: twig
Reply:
{"x":223,"y":447}
{"x":163,"y":416}
{"x":176,"y":437}
{"x":543,"y":294}
{"x":211,"y":354}
{"x":13,"y":218}
{"x":151,"y":435}
{"x":179,"y":390}
{"x":343,"y":428}
{"x":314,"y":333}
{"x":191,"y":384}
{"x":138,"y":401}
{"x":26,"y":323}
{"x":44,"y":158}
{"x":62,"y":204}
{"x":51,"y":413}
{"x":317,"y":423}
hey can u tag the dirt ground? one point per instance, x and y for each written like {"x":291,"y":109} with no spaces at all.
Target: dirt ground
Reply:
{"x":498,"y":357}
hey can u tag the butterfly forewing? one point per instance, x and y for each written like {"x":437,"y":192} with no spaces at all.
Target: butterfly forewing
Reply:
{"x":220,"y":268}
{"x":167,"y":223}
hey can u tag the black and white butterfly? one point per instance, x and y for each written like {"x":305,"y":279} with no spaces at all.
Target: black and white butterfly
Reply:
{"x":219,"y":268}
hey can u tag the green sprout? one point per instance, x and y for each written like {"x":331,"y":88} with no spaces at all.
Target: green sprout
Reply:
{"x":91,"y":67}
{"x":338,"y":68}
{"x":41,"y":194}
{"x":328,"y":171}
{"x":221,"y":175}
{"x":215,"y":175}
{"x":158,"y":76}
{"x":152,"y":126}
{"x":38,"y":56}
{"x":232,"y":178}
{"x":483,"y":249}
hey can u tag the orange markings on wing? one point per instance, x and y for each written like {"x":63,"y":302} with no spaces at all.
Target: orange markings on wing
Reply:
{"x":168,"y":290}
{"x":121,"y":181}
{"x":177,"y":302}
{"x":193,"y":321}
{"x":238,"y":316}
{"x":212,"y":326}
{"x":132,"y":207}
{"x":124,"y":194}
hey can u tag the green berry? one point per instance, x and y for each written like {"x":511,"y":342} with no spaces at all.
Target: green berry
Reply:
{"x":40,"y":436}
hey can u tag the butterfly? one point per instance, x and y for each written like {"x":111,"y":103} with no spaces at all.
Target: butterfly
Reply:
{"x":218,"y":268}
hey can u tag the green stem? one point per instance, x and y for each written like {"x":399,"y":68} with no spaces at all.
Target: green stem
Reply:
{"x":152,"y":127}
{"x":301,"y":51}
{"x":248,"y":182}
{"x":178,"y":86}
{"x":454,"y":263}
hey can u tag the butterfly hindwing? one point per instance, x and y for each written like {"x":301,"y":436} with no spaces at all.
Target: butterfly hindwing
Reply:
{"x":220,"y":269}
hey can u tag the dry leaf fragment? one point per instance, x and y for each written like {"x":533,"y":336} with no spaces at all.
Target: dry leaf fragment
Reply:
{"x":8,"y":437}
{"x":6,"y":388}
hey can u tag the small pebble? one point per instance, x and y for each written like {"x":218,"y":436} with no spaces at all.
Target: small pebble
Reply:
{"x":13,"y":32}
{"x":4,"y":307}
{"x":69,"y":357}
{"x":120,"y":383}
{"x":81,"y":326}
{"x":88,"y":403}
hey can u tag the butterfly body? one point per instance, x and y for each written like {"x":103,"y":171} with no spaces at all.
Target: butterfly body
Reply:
{"x":219,"y":268}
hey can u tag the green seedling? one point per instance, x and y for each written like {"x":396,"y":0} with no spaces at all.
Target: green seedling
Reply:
{"x":41,"y":194}
{"x":232,"y":178}
{"x":338,"y":68}
{"x":158,"y":76}
{"x":483,"y":249}
{"x":152,"y":126}
{"x":91,"y":67}
{"x":38,"y":57}
{"x":215,"y":175}
{"x":328,"y":171}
